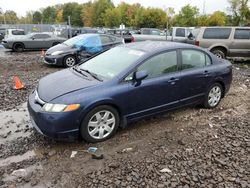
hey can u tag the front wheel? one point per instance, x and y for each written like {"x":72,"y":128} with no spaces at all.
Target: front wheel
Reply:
{"x":100,"y":124}
{"x":69,"y":61}
{"x":213,"y":96}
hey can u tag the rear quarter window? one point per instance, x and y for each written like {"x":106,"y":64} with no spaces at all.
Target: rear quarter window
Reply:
{"x":217,"y":33}
{"x":242,"y":34}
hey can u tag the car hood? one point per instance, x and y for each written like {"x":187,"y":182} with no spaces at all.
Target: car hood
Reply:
{"x":60,"y":47}
{"x":63,"y":82}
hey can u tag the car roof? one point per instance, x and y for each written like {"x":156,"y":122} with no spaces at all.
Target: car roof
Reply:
{"x":157,"y":46}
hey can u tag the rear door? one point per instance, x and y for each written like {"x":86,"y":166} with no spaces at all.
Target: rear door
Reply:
{"x":196,"y":75}
{"x":240,"y":45}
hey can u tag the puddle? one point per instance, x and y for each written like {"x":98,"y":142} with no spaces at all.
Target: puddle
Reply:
{"x":14,"y":124}
{"x":17,"y":158}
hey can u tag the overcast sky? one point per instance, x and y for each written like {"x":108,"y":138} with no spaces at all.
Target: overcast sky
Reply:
{"x":21,"y":6}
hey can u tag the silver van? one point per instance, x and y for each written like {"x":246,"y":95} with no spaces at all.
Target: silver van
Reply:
{"x":223,"y":41}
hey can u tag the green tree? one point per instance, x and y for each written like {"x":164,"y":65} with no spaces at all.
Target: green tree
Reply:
{"x":37,"y":17}
{"x":218,"y":18}
{"x":202,"y":20}
{"x":87,"y":14}
{"x":240,"y":11}
{"x":74,"y":11}
{"x":112,"y":18}
{"x":100,"y":7}
{"x":10,"y":17}
{"x":187,"y":16}
{"x":49,"y":14}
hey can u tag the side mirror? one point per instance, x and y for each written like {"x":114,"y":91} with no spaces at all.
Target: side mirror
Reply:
{"x":33,"y":38}
{"x":139,"y":76}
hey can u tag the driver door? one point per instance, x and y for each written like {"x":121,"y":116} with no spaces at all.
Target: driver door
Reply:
{"x":159,"y":91}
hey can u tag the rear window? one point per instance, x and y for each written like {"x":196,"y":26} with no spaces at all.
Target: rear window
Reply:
{"x":242,"y":34}
{"x":217,"y":33}
{"x":180,"y":32}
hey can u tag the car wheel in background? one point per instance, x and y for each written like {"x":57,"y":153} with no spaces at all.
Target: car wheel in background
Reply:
{"x":18,"y":47}
{"x":213,"y":96}
{"x":69,"y":61}
{"x":100,"y":124}
{"x":219,"y":52}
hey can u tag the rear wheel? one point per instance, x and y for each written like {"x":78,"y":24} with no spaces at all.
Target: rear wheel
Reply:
{"x":18,"y":47}
{"x":219,"y":52}
{"x":69,"y":61}
{"x":100,"y":124}
{"x":213,"y":96}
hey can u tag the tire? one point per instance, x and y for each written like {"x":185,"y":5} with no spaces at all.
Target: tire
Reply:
{"x":213,"y":96}
{"x":18,"y":47}
{"x":69,"y":61}
{"x":95,"y":126}
{"x":219,"y":52}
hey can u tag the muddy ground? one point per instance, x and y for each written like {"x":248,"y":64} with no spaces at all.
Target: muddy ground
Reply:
{"x":191,"y":147}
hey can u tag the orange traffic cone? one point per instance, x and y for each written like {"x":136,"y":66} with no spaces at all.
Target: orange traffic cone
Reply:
{"x":18,"y":83}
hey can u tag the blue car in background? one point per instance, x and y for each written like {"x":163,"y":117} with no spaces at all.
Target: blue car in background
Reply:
{"x":124,"y":84}
{"x":80,"y":48}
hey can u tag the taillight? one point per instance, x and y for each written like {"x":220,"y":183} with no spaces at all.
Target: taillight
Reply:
{"x":132,"y":39}
{"x":197,"y":43}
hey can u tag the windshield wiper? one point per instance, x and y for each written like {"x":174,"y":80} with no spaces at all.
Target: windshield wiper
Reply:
{"x":92,"y":74}
{"x":76,"y":68}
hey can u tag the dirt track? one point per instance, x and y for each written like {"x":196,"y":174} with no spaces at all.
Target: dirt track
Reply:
{"x":194,"y":147}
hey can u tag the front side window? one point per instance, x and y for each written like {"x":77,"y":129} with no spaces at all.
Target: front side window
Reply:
{"x":217,"y":33}
{"x":242,"y":34}
{"x":194,"y":59}
{"x":160,"y":64}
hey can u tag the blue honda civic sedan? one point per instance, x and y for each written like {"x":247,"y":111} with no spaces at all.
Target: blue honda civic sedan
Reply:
{"x":124,"y":84}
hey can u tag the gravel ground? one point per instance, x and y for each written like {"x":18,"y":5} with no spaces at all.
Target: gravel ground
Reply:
{"x":191,"y":147}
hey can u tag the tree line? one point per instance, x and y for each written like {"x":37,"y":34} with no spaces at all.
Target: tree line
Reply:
{"x":103,"y":13}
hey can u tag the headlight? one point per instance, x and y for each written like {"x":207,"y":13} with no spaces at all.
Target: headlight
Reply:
{"x":48,"y":107}
{"x":57,"y":53}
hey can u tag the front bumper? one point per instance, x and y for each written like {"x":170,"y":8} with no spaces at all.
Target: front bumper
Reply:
{"x":62,"y":125}
{"x":53,"y":60}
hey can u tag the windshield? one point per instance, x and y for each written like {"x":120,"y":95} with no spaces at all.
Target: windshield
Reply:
{"x":110,"y":63}
{"x":73,"y":41}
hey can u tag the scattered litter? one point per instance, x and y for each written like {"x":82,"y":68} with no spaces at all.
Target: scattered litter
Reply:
{"x":92,"y":149}
{"x":127,"y":150}
{"x":237,"y":68}
{"x":73,"y":154}
{"x":98,"y":157}
{"x":189,"y":149}
{"x":210,"y":125}
{"x":215,"y":136}
{"x":166,"y":170}
{"x":19,"y":173}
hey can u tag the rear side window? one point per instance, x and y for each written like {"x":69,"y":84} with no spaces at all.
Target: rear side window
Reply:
{"x":217,"y":33}
{"x":17,"y":32}
{"x":194,"y":59}
{"x":242,"y":34}
{"x":180,"y":32}
{"x":105,"y":39}
{"x":160,"y":64}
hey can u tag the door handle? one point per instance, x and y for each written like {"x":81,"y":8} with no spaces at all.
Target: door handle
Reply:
{"x":206,"y":73}
{"x":173,"y":80}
